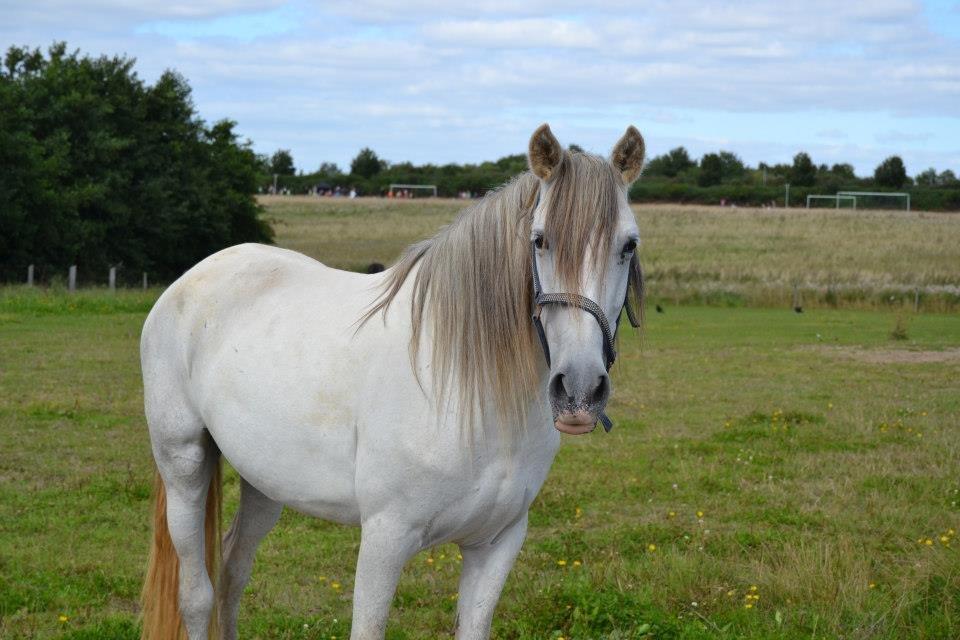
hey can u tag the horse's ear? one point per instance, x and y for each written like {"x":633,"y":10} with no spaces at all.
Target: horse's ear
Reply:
{"x":545,"y":153}
{"x":627,"y":155}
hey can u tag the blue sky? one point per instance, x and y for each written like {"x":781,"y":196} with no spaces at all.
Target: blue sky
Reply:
{"x":443,"y":81}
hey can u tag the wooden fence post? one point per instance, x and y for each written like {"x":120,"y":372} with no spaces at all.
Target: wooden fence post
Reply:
{"x":144,"y":280}
{"x":72,"y":278}
{"x":113,"y":279}
{"x":30,"y":276}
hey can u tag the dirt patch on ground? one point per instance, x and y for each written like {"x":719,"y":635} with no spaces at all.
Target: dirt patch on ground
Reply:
{"x":891,"y":356}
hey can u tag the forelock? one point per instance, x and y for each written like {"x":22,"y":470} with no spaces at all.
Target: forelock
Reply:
{"x":581,"y":211}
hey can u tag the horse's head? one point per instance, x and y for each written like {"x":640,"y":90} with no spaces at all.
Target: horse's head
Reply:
{"x":583,"y":239}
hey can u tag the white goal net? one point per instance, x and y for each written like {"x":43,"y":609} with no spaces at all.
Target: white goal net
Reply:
{"x":878,"y":199}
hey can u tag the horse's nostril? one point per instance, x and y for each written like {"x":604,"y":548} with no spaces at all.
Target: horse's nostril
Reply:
{"x":601,"y":391}
{"x":558,"y":390}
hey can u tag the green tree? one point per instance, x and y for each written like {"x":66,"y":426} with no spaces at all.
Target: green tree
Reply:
{"x":890,"y":173}
{"x":99,"y":169}
{"x":281,"y":163}
{"x":928,"y":178}
{"x":843,"y":171}
{"x":732,"y":166}
{"x":948,"y":178}
{"x":803,"y":173}
{"x":329,"y":170}
{"x":670,"y":164}
{"x":367,"y":164}
{"x":711,"y":170}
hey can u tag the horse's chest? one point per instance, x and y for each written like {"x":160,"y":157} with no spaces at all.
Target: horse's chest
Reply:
{"x":497,"y":494}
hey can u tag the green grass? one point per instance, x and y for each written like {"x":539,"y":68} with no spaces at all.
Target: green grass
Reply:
{"x":821,"y":453}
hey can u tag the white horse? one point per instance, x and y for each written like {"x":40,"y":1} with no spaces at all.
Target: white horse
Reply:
{"x":416,"y":403}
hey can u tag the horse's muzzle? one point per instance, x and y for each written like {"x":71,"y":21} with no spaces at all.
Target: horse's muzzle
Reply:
{"x":577,"y":399}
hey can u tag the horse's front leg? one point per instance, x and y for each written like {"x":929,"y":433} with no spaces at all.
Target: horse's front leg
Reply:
{"x":485,"y":569}
{"x":385,"y":548}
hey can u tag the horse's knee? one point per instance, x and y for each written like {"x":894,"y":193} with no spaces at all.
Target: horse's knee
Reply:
{"x":196,"y":603}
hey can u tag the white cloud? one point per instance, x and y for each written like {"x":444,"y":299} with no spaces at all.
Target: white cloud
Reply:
{"x":467,"y":81}
{"x":514,"y":34}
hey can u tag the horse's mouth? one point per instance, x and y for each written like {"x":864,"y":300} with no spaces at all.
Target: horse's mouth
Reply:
{"x":575,"y":423}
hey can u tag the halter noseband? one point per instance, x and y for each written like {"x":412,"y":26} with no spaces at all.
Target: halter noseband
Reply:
{"x":581,"y":302}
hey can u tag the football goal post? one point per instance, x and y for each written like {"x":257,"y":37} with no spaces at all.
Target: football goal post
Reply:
{"x":864,"y":198}
{"x":406,"y":189}
{"x":837,"y":199}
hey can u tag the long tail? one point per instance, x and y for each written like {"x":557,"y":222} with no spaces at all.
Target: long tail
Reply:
{"x":161,"y":611}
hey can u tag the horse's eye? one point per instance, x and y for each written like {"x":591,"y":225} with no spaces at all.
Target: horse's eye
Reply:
{"x":630,"y":246}
{"x":538,"y":241}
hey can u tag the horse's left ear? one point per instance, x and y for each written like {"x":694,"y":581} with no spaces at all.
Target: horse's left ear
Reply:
{"x":627,"y":155}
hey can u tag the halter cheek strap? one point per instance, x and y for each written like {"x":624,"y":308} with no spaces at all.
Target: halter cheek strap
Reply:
{"x":581,"y":302}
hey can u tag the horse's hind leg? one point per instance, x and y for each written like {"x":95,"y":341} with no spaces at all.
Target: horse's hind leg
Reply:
{"x":255,"y":518}
{"x":186,"y":459}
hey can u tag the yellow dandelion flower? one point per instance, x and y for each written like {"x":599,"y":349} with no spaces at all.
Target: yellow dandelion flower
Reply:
{"x":753,"y":587}
{"x":872,"y":585}
{"x":335,"y":586}
{"x":576,"y":563}
{"x":578,"y":512}
{"x":672,"y":514}
{"x":561,"y":563}
{"x":928,"y":542}
{"x":322,"y":578}
{"x":62,"y":618}
{"x":944,"y":539}
{"x":454,"y":596}
{"x":731,"y":592}
{"x":699,"y":514}
{"x":651,"y":547}
{"x":749,"y":605}
{"x":459,"y":557}
{"x":443,"y":556}
{"x":429,"y":560}
{"x":829,"y":405}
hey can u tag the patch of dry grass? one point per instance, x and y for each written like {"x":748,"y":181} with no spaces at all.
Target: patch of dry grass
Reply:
{"x":691,"y":254}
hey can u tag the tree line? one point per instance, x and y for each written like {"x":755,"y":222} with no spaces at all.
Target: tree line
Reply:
{"x":99,"y":169}
{"x":673,"y":176}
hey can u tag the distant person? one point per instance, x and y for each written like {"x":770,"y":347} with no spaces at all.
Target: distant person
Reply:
{"x":353,"y":193}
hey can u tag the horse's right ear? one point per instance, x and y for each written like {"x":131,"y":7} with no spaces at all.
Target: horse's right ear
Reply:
{"x":545,"y":153}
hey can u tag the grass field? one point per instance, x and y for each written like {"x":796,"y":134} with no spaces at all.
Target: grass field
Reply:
{"x":863,"y":259}
{"x":771,"y":475}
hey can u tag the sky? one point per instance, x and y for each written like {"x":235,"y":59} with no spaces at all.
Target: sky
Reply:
{"x":447,"y":81}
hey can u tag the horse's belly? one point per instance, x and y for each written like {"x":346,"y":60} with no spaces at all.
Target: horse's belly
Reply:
{"x":305,"y":466}
{"x":293,"y":438}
